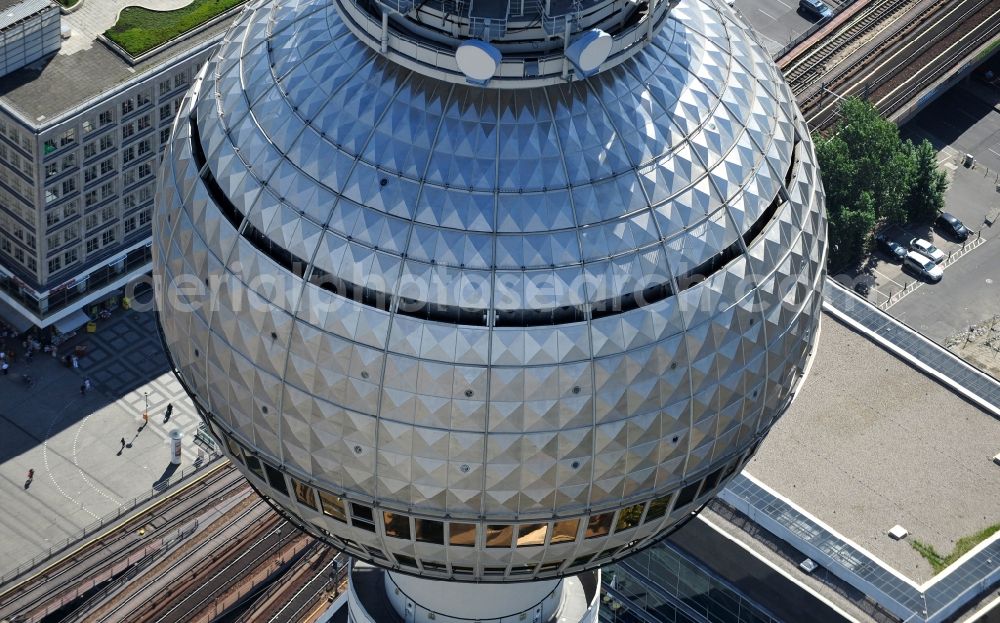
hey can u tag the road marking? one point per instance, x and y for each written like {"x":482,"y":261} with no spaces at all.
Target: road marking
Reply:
{"x":885,"y":276}
{"x":784,"y":4}
{"x":766,"y":14}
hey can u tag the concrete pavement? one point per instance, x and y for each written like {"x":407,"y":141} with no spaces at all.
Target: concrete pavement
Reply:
{"x":73,"y":442}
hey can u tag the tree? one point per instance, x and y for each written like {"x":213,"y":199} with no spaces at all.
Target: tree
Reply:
{"x":926,"y":197}
{"x":850,"y":230}
{"x":873,"y":177}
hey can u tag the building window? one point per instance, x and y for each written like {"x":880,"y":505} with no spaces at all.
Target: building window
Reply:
{"x":90,"y":198}
{"x":90,"y":174}
{"x":51,"y":169}
{"x":107,"y":213}
{"x":107,"y":142}
{"x":164,"y":86}
{"x":275,"y":478}
{"x":180,"y":80}
{"x":629,"y":517}
{"x":429,"y":531}
{"x":91,"y":221}
{"x":128,"y":225}
{"x":144,"y":147}
{"x":69,"y":208}
{"x":67,"y":138}
{"x":304,"y":493}
{"x":165,"y":112}
{"x":69,"y":160}
{"x":89,"y":150}
{"x":142,"y":97}
{"x":128,"y":154}
{"x":69,"y":186}
{"x":50,"y":146}
{"x":145,"y":193}
{"x":53,"y":217}
{"x":129,"y":178}
{"x":532,"y":534}
{"x":55,"y":264}
{"x":144,"y":123}
{"x":164,"y":136}
{"x":107,"y":166}
{"x":361,"y":517}
{"x":396,"y":525}
{"x":88,"y":126}
{"x":128,"y":106}
{"x":598,"y":525}
{"x":128,"y":202}
{"x":51,"y":194}
{"x":145,"y":170}
{"x":54,"y":240}
{"x":462,"y":534}
{"x":657,"y":508}
{"x":92,"y":245}
{"x":499,"y":535}
{"x":107,"y":237}
{"x":128,"y":130}
{"x":107,"y":189}
{"x":564,"y":531}
{"x":145,"y":217}
{"x":106,"y":117}
{"x":333,"y":506}
{"x":71,"y":256}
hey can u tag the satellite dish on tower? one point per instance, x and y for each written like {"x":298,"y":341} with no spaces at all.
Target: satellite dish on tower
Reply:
{"x":589,"y":51}
{"x":478,"y":60}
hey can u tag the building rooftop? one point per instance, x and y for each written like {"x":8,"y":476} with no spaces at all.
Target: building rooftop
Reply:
{"x":871,"y":442}
{"x":85,"y":67}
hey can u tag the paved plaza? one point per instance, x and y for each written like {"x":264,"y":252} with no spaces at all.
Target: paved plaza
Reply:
{"x":73,"y":441}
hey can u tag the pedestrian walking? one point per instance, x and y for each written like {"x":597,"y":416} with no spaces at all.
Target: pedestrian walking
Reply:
{"x":3,"y":368}
{"x":87,"y":384}
{"x":31,"y":474}
{"x":168,"y":412}
{"x":83,"y":389}
{"x":76,"y":362}
{"x":123,"y":443}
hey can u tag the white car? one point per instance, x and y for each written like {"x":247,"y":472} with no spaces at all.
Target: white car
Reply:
{"x":925,"y":248}
{"x":924,"y":266}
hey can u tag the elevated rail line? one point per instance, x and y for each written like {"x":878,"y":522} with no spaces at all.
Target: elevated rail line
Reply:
{"x":111,"y":553}
{"x":888,"y":52}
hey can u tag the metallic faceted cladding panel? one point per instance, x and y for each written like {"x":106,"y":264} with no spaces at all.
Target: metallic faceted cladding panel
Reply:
{"x":632,"y":177}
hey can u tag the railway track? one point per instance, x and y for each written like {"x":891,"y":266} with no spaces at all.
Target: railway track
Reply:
{"x":810,"y":67}
{"x":900,"y":35}
{"x":113,"y":552}
{"x":317,"y":575}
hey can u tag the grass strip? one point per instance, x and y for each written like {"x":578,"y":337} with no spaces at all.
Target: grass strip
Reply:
{"x":938,"y":562}
{"x":139,"y":30}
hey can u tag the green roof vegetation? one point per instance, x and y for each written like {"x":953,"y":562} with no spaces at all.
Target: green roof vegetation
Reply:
{"x":962,"y":547}
{"x":139,"y":30}
{"x":68,"y":3}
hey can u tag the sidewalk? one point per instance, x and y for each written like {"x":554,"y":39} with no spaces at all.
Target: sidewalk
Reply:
{"x":72,"y":441}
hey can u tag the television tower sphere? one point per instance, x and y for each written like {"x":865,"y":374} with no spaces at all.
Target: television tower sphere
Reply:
{"x":489,"y":291}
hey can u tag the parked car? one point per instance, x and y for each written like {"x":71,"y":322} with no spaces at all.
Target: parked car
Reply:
{"x":950,"y":225}
{"x":816,"y":7}
{"x":923,"y":266}
{"x":927,"y":249}
{"x":890,"y":247}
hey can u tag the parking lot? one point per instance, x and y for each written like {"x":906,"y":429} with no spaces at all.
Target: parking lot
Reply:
{"x":778,"y":22}
{"x":965,"y":120}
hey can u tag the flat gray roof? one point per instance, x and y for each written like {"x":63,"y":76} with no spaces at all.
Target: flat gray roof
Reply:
{"x":871,"y":442}
{"x":45,"y":90}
